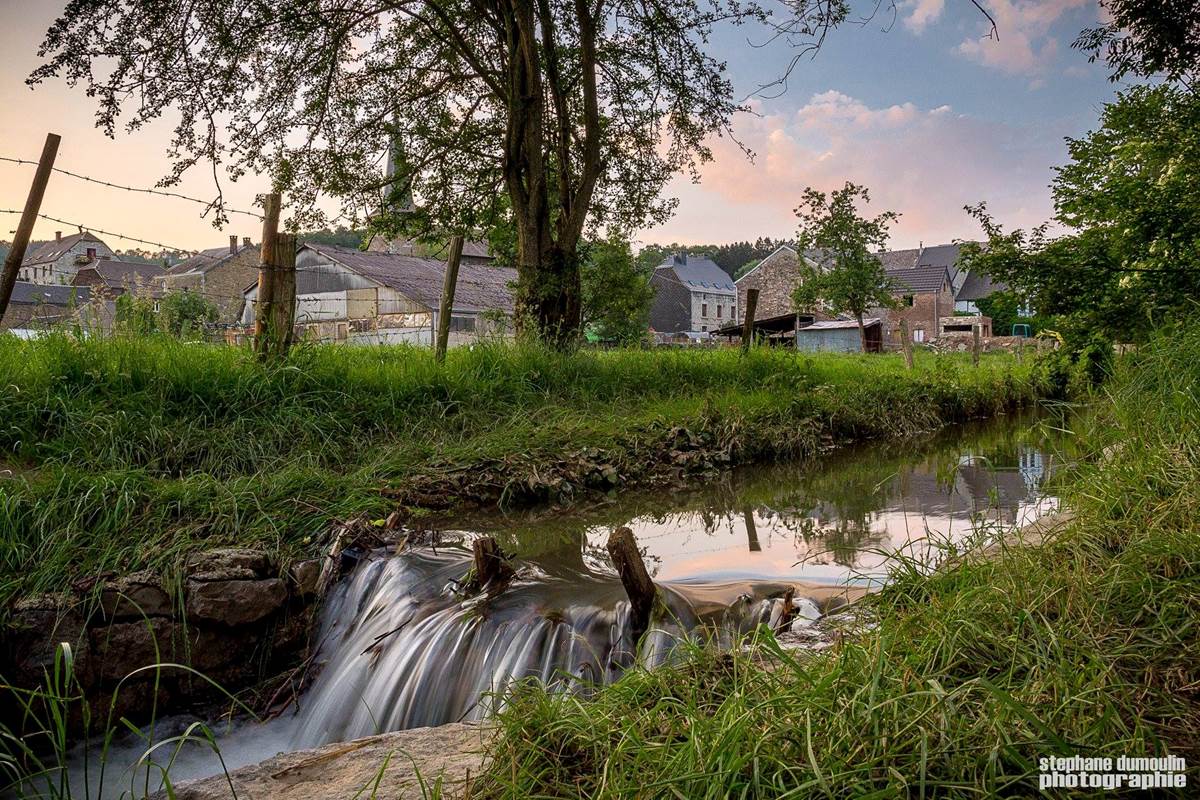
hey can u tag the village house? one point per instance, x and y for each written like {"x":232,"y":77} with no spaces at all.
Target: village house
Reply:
{"x":375,"y":298}
{"x":691,"y":295}
{"x":56,"y":262}
{"x":219,"y":275}
{"x":37,"y":306}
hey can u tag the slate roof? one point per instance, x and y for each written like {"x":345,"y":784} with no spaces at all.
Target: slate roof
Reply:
{"x":205,"y":260}
{"x":899,"y":259}
{"x":479,"y":288}
{"x":978,"y":286}
{"x":125,"y":273}
{"x":699,"y":273}
{"x":671,"y":311}
{"x":49,"y":294}
{"x":919,"y":280}
{"x":53,"y":250}
{"x":941,"y":255}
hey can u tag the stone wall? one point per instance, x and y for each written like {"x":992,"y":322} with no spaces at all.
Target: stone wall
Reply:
{"x":223,"y":284}
{"x":232,"y":616}
{"x":775,"y":278}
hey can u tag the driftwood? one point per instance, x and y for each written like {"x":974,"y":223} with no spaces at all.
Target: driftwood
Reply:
{"x":622,"y":547}
{"x":491,"y":569}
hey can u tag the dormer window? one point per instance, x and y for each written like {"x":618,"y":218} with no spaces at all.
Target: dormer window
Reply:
{"x":91,"y":253}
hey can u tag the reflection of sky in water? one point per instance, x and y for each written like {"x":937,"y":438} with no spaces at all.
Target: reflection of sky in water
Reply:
{"x":821,"y":541}
{"x":824,"y":539}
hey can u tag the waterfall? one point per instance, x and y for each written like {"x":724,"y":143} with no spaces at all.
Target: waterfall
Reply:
{"x":401,"y":647}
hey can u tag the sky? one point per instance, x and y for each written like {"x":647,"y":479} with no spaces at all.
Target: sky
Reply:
{"x":918,"y":104}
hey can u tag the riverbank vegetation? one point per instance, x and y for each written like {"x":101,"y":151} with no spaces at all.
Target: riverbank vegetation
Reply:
{"x":1081,"y":645}
{"x":127,"y":452}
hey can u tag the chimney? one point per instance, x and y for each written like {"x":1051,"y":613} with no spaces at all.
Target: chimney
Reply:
{"x":58,"y":236}
{"x":245,"y":241}
{"x":233,"y":244}
{"x":681,"y":258}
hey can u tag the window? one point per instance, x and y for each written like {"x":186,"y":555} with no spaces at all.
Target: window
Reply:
{"x":91,"y":253}
{"x":704,"y":327}
{"x":919,"y":335}
{"x":704,"y":309}
{"x":907,"y":300}
{"x":462,"y":324}
{"x":718,"y":310}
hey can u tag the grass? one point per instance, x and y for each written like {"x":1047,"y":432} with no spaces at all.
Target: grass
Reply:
{"x":128,"y":452}
{"x":1084,"y":645}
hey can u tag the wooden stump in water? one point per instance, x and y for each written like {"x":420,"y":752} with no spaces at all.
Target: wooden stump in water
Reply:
{"x":491,"y":569}
{"x":622,"y":547}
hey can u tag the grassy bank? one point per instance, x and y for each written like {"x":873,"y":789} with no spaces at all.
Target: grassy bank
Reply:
{"x":126,"y":453}
{"x":1084,"y":645}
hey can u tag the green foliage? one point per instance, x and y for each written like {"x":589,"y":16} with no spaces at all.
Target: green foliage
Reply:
{"x":1004,"y":307}
{"x":1128,"y":192}
{"x":854,"y":280}
{"x":616,"y":293}
{"x":128,"y":452}
{"x":735,"y":258}
{"x":340,"y":237}
{"x":1081,"y":643}
{"x":1147,"y":39}
{"x":183,"y":314}
{"x":135,"y":314}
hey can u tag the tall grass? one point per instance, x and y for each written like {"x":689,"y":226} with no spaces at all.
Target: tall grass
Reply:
{"x":1083,"y":645}
{"x":128,"y":452}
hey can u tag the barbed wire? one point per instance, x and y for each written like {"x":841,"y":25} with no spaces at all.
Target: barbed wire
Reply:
{"x":208,"y":204}
{"x":90,"y":229}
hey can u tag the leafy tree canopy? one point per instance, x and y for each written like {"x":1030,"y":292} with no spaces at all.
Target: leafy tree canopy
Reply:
{"x":576,"y":111}
{"x":854,"y":279}
{"x":1147,"y":38}
{"x":617,"y":294}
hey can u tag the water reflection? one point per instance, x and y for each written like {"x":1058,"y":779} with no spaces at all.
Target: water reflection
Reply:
{"x":838,"y":519}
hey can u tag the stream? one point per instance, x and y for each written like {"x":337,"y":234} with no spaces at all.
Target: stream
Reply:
{"x":401,"y":647}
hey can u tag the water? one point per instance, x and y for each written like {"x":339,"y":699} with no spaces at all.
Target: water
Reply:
{"x":402,"y":646}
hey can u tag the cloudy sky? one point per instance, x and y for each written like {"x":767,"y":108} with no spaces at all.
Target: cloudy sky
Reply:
{"x":919,"y":105}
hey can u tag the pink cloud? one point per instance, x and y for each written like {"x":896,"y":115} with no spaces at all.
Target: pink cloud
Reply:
{"x":920,"y":13}
{"x":924,"y":163}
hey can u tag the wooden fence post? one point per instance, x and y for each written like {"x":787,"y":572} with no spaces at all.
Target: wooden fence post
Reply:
{"x":283,"y":301}
{"x":906,"y":343}
{"x":622,"y":547}
{"x":446,"y":307}
{"x":975,"y":344}
{"x":33,"y":204}
{"x":748,"y":323}
{"x":266,"y":274}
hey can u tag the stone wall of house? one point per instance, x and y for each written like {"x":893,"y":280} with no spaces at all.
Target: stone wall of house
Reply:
{"x":712,"y":302}
{"x":775,"y":278}
{"x":922,"y":316}
{"x":223,"y":284}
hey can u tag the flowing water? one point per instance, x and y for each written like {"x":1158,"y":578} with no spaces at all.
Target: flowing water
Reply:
{"x":402,"y":646}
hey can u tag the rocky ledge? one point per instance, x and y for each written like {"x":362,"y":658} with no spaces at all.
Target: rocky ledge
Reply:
{"x":231,"y":615}
{"x":406,"y":765}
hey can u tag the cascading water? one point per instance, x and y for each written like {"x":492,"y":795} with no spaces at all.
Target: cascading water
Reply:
{"x":402,"y":648}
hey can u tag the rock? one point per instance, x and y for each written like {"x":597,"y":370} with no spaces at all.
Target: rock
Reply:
{"x":234,"y":602}
{"x":122,"y":647}
{"x":136,"y":595}
{"x":31,"y":639}
{"x":306,"y":577}
{"x":452,"y":752}
{"x":228,"y":563}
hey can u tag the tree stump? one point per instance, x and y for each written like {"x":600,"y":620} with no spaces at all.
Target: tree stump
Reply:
{"x":491,"y":569}
{"x":622,"y":547}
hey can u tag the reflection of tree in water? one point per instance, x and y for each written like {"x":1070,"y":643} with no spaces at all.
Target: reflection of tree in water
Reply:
{"x":828,"y":503}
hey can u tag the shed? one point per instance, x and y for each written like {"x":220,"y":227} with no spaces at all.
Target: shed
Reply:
{"x":840,"y":336}
{"x":779,"y":329}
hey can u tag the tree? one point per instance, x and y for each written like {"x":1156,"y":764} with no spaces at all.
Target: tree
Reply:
{"x":577,"y":111}
{"x":617,"y":294}
{"x":1147,"y":38}
{"x":854,"y":280}
{"x":1132,"y":260}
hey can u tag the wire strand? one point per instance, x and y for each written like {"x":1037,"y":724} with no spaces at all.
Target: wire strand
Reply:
{"x":90,"y":229}
{"x":208,"y":204}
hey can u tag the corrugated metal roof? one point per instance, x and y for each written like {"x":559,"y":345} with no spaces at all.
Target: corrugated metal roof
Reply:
{"x":919,"y":280}
{"x":50,"y":294}
{"x":840,"y":324}
{"x":479,"y":288}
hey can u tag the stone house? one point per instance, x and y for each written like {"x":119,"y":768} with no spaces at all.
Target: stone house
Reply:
{"x":219,"y":275}
{"x":39,"y":306}
{"x":691,"y":295}
{"x":57,"y":262}
{"x":375,"y":297}
{"x":924,"y":293}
